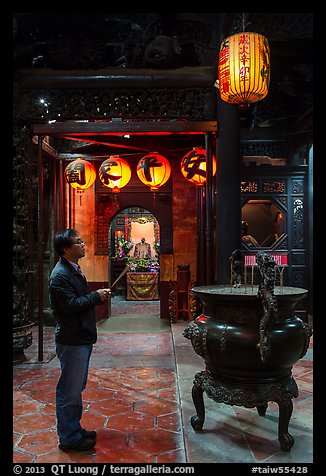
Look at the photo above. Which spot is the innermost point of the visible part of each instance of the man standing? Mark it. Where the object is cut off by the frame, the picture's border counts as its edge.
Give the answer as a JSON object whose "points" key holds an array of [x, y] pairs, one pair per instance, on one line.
{"points": [[142, 249], [73, 303]]}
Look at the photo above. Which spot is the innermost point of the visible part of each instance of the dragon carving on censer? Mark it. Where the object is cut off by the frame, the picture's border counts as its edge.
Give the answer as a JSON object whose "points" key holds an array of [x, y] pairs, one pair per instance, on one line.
{"points": [[266, 266]]}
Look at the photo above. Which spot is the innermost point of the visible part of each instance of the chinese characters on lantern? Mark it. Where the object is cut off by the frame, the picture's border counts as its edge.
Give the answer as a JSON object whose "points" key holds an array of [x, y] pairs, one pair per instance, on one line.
{"points": [[153, 170], [193, 166], [115, 173], [244, 68], [80, 174]]}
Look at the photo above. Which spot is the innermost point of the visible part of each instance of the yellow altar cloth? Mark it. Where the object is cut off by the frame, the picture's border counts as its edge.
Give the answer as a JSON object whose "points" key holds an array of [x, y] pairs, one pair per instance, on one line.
{"points": [[142, 286]]}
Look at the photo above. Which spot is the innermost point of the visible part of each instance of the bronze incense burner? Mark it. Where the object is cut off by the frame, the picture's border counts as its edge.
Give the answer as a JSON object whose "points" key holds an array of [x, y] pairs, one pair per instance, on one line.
{"points": [[249, 338]]}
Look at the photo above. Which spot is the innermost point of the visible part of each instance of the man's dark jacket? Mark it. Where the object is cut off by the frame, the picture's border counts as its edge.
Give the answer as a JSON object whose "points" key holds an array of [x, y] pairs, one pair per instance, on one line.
{"points": [[72, 303]]}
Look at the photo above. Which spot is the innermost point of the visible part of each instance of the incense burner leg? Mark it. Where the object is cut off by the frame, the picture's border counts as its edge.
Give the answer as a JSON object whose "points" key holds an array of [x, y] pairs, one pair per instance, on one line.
{"points": [[197, 421], [285, 412]]}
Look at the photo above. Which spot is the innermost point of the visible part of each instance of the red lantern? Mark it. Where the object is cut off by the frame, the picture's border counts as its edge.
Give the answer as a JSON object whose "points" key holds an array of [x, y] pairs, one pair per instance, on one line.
{"points": [[80, 174], [244, 68], [153, 170], [193, 166], [115, 173]]}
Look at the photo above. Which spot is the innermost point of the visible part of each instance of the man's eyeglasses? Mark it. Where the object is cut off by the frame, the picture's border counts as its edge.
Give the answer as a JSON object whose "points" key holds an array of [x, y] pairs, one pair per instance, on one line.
{"points": [[78, 242]]}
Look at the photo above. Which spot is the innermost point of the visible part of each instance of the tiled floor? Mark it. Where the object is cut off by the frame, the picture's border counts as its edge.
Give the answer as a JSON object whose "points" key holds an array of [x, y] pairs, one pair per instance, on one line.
{"points": [[135, 412], [138, 398]]}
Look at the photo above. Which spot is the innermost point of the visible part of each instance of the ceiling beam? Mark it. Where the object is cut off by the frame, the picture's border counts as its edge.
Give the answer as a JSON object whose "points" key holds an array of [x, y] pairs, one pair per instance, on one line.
{"points": [[119, 126]]}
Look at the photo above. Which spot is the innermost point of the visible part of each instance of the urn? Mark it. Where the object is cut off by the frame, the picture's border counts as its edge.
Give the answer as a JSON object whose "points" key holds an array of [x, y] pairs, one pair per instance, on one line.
{"points": [[227, 334], [249, 341]]}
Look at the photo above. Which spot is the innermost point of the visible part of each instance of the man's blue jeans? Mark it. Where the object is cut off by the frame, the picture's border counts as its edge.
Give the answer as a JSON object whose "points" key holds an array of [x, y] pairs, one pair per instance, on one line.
{"points": [[74, 362]]}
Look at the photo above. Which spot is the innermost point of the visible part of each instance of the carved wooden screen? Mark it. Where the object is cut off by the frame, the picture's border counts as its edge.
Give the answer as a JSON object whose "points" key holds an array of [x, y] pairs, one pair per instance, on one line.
{"points": [[286, 188]]}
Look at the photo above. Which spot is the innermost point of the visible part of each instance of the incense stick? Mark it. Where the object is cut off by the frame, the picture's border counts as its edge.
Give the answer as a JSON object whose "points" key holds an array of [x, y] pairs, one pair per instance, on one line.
{"points": [[119, 277]]}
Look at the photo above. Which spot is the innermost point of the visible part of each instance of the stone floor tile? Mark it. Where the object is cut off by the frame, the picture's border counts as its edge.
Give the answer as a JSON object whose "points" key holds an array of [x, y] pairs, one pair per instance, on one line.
{"points": [[110, 407], [26, 407], [130, 422], [39, 443], [156, 407], [26, 424], [20, 457], [110, 440], [94, 394], [171, 422], [170, 457], [124, 456], [92, 421], [155, 441], [60, 457]]}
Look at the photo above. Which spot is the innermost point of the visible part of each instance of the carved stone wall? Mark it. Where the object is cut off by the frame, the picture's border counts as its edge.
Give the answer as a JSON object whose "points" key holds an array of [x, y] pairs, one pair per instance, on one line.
{"points": [[23, 272]]}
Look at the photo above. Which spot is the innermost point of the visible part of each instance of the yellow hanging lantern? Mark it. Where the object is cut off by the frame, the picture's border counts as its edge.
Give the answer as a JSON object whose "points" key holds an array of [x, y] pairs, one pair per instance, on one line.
{"points": [[115, 173], [80, 174], [193, 166], [153, 170], [244, 68]]}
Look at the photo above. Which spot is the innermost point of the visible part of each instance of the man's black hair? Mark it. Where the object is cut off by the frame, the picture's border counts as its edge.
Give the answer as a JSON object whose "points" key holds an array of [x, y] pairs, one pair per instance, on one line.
{"points": [[63, 239]]}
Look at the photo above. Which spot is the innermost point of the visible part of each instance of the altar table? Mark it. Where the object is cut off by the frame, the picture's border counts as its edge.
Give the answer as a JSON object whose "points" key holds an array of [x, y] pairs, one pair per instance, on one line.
{"points": [[142, 286]]}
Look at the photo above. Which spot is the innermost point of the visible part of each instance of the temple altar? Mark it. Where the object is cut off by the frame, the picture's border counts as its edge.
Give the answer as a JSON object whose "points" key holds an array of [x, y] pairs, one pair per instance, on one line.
{"points": [[142, 286]]}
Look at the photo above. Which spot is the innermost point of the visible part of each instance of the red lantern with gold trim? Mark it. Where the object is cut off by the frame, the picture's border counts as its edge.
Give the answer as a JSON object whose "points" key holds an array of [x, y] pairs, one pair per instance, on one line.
{"points": [[115, 173], [80, 174], [154, 170], [193, 166], [244, 68]]}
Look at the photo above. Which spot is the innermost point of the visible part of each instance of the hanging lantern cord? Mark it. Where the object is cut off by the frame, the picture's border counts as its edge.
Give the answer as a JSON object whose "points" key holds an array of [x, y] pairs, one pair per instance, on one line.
{"points": [[243, 21]]}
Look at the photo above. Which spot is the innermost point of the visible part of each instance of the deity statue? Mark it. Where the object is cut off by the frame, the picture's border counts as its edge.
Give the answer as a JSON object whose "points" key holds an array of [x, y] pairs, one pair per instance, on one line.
{"points": [[142, 249]]}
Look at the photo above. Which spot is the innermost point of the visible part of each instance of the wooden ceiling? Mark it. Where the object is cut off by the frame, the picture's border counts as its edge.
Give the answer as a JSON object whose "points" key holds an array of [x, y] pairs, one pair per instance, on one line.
{"points": [[165, 41]]}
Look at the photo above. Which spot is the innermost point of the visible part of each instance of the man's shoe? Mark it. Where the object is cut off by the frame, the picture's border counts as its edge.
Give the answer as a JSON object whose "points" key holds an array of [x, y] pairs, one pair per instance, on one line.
{"points": [[88, 434], [81, 445]]}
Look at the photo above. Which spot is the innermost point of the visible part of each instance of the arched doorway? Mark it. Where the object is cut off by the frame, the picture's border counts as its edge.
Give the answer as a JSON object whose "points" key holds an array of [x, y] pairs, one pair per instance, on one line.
{"points": [[131, 232]]}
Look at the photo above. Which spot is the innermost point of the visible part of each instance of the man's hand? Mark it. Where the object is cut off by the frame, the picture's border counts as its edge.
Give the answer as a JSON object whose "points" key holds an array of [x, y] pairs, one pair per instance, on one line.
{"points": [[104, 294]]}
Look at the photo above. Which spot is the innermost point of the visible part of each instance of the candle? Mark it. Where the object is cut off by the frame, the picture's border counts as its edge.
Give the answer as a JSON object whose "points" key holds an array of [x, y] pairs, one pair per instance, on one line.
{"points": [[252, 278]]}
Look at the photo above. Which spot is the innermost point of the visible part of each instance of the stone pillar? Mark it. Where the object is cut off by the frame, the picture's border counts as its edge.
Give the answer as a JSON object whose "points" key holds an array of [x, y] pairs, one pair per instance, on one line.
{"points": [[228, 231]]}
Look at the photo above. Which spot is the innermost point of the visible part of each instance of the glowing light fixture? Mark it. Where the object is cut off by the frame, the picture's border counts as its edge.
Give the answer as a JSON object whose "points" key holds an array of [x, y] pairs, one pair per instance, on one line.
{"points": [[244, 68], [80, 174], [115, 173], [193, 166], [153, 170]]}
